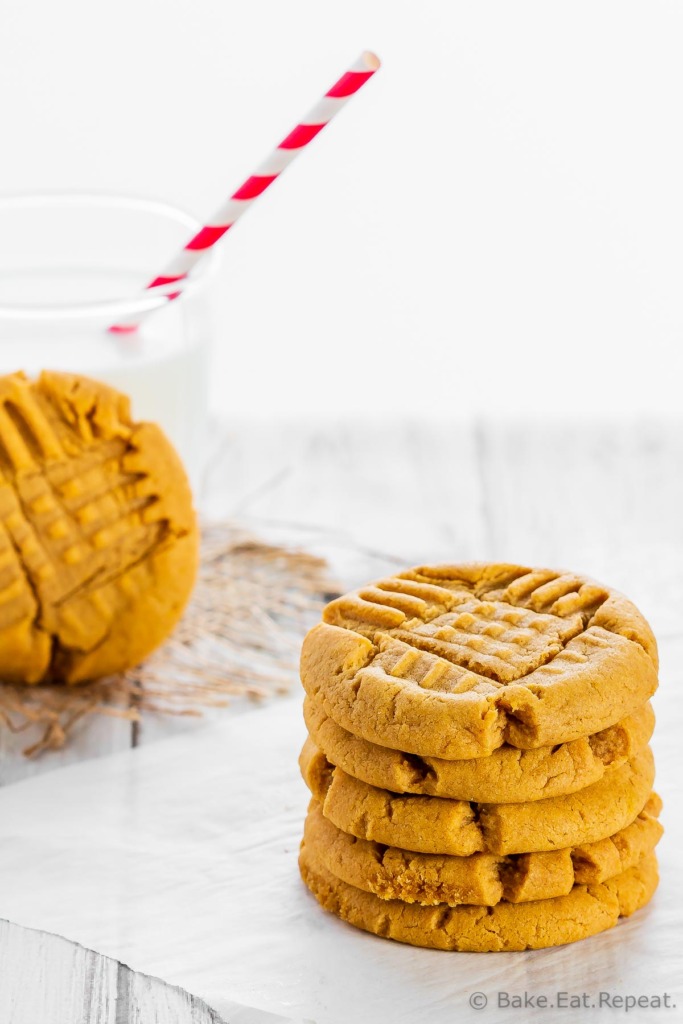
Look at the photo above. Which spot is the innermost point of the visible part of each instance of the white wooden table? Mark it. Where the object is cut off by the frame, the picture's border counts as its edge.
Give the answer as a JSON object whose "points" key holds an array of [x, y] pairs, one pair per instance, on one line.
{"points": [[603, 498]]}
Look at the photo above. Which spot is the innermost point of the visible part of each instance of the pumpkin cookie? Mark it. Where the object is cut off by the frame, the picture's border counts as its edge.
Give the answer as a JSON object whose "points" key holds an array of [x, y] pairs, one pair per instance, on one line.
{"points": [[483, 878], [98, 545], [586, 910], [427, 824], [508, 775], [454, 661]]}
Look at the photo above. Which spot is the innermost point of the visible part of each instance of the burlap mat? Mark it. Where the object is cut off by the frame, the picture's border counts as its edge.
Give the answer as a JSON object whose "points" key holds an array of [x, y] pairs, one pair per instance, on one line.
{"points": [[239, 637]]}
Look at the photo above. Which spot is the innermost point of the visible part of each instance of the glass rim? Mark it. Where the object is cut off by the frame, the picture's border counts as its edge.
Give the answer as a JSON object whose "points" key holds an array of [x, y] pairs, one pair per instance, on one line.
{"points": [[137, 304]]}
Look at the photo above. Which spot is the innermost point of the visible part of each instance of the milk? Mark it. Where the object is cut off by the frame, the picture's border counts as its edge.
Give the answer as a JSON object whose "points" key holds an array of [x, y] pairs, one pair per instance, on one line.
{"points": [[70, 266], [163, 367]]}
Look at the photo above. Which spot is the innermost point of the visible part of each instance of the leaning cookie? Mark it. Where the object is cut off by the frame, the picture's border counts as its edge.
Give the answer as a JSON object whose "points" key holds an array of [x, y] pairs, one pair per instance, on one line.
{"points": [[508, 775], [426, 824], [586, 910], [453, 661], [482, 879], [99, 539]]}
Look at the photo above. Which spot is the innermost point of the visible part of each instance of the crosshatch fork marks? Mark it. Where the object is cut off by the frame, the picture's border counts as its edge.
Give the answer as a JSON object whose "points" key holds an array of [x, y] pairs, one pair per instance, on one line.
{"points": [[80, 519], [498, 630]]}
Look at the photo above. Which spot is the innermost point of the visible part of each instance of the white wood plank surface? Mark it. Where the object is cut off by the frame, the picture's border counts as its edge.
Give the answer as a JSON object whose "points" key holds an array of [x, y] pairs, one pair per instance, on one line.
{"points": [[603, 498], [408, 490], [48, 980]]}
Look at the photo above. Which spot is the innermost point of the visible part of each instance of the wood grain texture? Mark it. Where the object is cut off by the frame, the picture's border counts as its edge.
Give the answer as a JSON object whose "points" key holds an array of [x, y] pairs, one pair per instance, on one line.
{"points": [[48, 980], [603, 498], [405, 490]]}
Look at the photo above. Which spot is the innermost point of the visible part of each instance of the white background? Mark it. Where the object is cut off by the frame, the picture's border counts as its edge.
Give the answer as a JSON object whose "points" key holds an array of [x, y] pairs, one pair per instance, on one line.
{"points": [[495, 224]]}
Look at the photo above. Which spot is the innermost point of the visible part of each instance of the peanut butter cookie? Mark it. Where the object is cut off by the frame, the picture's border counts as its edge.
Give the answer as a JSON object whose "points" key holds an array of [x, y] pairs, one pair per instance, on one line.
{"points": [[508, 775], [426, 824], [586, 910], [482, 878], [98, 546], [453, 661]]}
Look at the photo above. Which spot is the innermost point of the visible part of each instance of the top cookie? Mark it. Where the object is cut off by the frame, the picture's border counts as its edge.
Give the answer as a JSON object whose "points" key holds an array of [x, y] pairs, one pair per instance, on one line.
{"points": [[98, 538], [452, 661]]}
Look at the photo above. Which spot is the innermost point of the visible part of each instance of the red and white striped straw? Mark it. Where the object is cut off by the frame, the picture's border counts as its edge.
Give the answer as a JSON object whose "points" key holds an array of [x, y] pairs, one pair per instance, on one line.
{"points": [[264, 176]]}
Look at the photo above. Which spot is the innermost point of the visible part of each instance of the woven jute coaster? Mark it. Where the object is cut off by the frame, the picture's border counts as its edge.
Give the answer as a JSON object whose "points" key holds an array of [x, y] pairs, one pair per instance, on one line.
{"points": [[239, 637]]}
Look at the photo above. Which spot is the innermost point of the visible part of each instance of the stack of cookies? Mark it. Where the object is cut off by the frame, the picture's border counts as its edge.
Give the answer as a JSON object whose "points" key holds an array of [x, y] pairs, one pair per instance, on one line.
{"points": [[478, 758]]}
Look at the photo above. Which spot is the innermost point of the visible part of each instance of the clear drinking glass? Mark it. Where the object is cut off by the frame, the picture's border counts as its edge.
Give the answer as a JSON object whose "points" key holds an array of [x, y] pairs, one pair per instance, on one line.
{"points": [[72, 265]]}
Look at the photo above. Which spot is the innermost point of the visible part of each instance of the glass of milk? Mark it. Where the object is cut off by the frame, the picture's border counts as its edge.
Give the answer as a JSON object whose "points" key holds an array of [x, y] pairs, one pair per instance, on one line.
{"points": [[71, 266]]}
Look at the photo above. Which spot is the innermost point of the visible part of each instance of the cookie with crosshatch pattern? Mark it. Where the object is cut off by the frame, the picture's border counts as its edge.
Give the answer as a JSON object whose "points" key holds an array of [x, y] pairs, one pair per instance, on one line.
{"points": [[432, 824], [452, 661], [482, 879], [586, 910], [98, 536]]}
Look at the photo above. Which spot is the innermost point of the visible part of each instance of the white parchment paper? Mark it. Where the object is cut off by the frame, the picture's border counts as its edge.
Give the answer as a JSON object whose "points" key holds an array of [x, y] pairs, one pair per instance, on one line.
{"points": [[179, 859]]}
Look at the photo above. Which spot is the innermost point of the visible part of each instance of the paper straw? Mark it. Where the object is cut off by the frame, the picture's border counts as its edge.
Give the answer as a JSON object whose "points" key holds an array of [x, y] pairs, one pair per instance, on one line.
{"points": [[262, 178]]}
